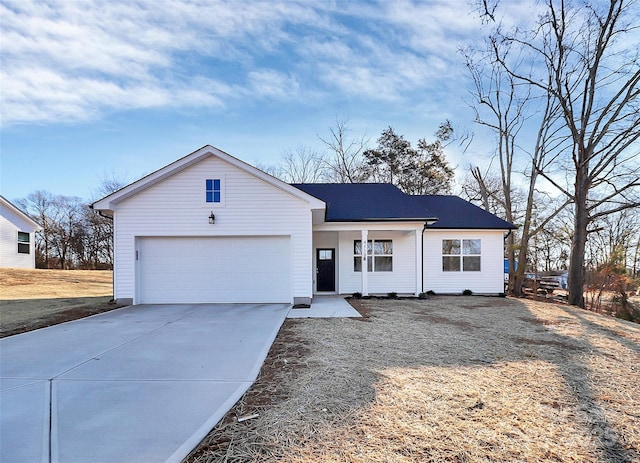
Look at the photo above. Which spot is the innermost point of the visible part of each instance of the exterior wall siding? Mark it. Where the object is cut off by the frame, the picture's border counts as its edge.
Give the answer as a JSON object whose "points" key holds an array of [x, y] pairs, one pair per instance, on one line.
{"points": [[176, 207], [402, 279], [10, 225], [490, 280]]}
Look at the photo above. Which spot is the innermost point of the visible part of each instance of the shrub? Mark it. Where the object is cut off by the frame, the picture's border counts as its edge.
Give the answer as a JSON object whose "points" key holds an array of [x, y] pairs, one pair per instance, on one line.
{"points": [[392, 295], [357, 295], [431, 293], [467, 292], [423, 295]]}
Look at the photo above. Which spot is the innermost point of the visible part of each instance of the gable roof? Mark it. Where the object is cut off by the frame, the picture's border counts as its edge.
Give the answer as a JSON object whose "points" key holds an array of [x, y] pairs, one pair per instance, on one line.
{"points": [[109, 202], [365, 202], [22, 215]]}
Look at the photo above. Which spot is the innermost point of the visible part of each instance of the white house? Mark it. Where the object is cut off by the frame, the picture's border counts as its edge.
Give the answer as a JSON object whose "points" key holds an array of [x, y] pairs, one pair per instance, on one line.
{"points": [[211, 228], [16, 237]]}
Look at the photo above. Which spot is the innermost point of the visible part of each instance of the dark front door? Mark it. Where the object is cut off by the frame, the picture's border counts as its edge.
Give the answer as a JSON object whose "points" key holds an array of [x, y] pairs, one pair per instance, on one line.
{"points": [[326, 269]]}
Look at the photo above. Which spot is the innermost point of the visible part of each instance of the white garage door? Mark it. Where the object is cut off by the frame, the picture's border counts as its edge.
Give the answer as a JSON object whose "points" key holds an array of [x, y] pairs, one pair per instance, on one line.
{"points": [[221, 269]]}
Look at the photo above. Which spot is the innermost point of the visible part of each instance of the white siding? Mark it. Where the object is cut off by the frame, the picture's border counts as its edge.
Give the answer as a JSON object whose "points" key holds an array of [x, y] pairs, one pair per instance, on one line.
{"points": [[490, 280], [401, 280], [176, 207], [10, 224]]}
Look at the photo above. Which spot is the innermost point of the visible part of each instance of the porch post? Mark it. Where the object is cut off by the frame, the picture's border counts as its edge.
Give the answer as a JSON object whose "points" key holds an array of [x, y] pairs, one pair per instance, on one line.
{"points": [[365, 288], [419, 258]]}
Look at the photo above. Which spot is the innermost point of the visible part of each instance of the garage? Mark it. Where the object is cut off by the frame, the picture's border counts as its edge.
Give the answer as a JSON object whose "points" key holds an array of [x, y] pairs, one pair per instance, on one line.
{"points": [[245, 269]]}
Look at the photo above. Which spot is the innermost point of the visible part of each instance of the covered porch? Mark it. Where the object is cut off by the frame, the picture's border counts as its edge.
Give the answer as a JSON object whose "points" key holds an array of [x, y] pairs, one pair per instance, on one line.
{"points": [[392, 257]]}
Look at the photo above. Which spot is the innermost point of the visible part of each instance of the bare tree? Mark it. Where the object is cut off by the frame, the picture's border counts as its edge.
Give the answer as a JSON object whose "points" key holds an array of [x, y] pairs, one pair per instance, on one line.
{"points": [[346, 163], [98, 229], [40, 205], [595, 81], [303, 165], [484, 189], [505, 108]]}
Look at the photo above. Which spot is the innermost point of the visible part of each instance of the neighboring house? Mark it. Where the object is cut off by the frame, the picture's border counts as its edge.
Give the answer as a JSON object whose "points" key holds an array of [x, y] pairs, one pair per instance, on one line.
{"points": [[211, 228], [17, 249]]}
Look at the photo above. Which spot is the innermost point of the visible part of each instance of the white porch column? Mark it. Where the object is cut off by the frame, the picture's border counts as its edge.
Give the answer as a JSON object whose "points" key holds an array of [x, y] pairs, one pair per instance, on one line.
{"points": [[365, 287], [419, 258]]}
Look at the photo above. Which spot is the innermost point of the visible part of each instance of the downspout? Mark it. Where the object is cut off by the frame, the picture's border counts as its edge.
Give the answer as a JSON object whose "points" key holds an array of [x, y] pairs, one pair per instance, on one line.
{"points": [[422, 262]]}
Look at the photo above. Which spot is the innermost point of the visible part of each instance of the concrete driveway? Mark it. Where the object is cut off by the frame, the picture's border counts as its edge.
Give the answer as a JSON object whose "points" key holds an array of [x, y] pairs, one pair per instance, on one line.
{"points": [[138, 384]]}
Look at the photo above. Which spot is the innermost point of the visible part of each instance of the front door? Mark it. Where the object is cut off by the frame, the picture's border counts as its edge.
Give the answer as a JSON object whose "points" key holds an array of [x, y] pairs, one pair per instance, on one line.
{"points": [[326, 269]]}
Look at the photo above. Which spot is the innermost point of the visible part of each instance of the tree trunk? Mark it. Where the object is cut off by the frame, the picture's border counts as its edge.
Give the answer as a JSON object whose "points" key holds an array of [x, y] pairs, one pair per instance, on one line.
{"points": [[579, 240]]}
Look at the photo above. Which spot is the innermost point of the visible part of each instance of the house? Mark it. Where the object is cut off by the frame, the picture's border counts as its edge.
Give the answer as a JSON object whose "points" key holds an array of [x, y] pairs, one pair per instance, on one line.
{"points": [[211, 228], [16, 237]]}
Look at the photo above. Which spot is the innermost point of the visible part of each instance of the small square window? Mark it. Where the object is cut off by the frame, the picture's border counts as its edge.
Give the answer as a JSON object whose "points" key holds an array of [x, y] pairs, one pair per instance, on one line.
{"points": [[213, 190]]}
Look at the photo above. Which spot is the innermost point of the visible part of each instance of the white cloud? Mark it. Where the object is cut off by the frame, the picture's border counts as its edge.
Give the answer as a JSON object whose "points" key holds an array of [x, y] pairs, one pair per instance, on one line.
{"points": [[76, 60]]}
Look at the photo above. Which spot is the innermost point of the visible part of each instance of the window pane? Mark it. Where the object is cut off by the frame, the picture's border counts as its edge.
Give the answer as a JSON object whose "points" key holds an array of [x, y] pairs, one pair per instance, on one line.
{"points": [[357, 264], [23, 248], [384, 264], [471, 246], [209, 186], [216, 184], [369, 264], [23, 237], [388, 246], [357, 247], [471, 264], [369, 247], [209, 196], [383, 247], [450, 264], [450, 246], [378, 247], [216, 196], [326, 254]]}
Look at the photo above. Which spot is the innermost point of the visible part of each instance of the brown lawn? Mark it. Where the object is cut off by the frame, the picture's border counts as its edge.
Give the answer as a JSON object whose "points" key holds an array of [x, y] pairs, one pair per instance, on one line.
{"points": [[450, 379], [31, 299]]}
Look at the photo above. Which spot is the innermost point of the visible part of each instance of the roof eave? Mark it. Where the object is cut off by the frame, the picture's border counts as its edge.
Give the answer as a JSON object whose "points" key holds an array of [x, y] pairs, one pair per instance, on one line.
{"points": [[385, 219], [22, 214]]}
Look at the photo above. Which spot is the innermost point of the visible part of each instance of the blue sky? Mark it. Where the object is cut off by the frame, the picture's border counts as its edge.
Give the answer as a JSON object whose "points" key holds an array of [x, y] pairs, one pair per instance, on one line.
{"points": [[93, 89]]}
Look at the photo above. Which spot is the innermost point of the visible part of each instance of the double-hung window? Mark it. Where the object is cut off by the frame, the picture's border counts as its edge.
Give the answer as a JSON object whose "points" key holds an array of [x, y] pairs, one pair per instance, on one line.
{"points": [[461, 255], [24, 246], [213, 191], [379, 254]]}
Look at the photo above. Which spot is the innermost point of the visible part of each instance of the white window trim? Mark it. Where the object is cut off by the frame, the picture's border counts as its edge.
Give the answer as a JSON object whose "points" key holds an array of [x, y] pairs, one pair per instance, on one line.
{"points": [[461, 255], [27, 243], [223, 195], [371, 256]]}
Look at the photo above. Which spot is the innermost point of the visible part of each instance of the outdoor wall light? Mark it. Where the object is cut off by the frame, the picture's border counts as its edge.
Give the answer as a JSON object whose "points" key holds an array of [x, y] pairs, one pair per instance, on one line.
{"points": [[212, 218]]}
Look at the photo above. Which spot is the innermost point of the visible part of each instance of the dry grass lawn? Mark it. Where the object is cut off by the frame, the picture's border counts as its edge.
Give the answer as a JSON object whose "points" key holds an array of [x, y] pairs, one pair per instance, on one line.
{"points": [[450, 379], [31, 299]]}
